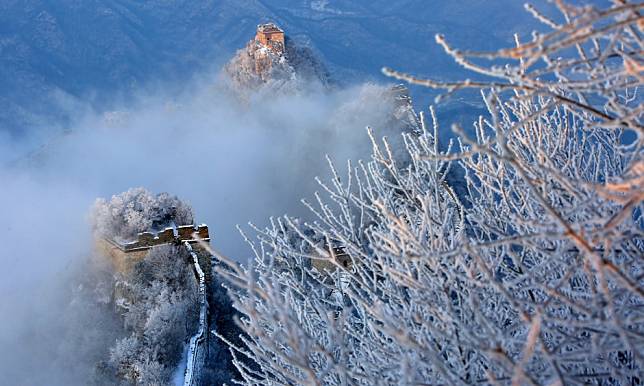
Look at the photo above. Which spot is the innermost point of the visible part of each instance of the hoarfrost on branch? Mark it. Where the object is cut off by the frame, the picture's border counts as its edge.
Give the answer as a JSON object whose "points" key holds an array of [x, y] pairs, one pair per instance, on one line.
{"points": [[527, 269]]}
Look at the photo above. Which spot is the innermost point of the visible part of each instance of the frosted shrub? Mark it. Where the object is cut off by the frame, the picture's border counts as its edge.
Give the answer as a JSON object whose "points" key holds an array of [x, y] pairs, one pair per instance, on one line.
{"points": [[534, 276], [161, 314], [137, 210]]}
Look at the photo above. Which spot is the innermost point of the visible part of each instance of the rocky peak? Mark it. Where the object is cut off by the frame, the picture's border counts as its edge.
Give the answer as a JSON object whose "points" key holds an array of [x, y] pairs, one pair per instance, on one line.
{"points": [[272, 59]]}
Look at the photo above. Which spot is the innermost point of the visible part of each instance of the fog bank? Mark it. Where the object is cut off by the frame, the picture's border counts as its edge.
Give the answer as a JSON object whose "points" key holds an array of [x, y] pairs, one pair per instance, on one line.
{"points": [[233, 161]]}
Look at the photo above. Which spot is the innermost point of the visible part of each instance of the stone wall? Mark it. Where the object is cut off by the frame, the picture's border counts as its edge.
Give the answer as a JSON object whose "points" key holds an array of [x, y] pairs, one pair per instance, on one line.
{"points": [[125, 255], [270, 36], [341, 258], [198, 348], [123, 261]]}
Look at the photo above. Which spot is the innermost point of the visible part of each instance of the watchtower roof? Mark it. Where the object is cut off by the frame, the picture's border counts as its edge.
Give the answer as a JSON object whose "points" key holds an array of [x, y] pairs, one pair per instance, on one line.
{"points": [[269, 28]]}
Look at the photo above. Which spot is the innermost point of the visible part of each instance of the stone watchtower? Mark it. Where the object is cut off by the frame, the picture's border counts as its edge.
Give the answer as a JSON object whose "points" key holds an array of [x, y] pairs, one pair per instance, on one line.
{"points": [[271, 36]]}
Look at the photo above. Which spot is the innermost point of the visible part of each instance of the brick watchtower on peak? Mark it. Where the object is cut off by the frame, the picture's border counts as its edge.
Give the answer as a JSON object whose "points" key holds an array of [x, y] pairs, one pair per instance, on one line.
{"points": [[271, 36]]}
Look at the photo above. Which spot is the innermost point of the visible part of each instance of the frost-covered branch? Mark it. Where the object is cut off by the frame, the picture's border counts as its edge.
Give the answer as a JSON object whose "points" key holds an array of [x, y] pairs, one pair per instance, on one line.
{"points": [[531, 274]]}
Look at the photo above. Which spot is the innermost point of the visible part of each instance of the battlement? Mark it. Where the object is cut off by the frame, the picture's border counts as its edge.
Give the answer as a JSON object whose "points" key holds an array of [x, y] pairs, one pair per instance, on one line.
{"points": [[125, 254], [271, 36], [147, 240]]}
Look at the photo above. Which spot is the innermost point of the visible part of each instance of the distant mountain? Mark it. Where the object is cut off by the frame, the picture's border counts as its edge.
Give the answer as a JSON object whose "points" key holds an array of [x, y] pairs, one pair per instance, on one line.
{"points": [[57, 58]]}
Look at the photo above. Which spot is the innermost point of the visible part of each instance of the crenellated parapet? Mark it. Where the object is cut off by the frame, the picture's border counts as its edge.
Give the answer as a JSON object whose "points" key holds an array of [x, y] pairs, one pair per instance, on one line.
{"points": [[147, 240], [187, 238], [270, 36], [125, 255]]}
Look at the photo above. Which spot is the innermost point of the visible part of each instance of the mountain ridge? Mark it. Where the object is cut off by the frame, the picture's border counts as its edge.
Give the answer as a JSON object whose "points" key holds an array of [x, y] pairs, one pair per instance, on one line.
{"points": [[58, 59]]}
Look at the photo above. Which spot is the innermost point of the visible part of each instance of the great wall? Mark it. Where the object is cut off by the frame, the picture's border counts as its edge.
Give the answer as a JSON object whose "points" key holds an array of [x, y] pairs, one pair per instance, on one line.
{"points": [[124, 255], [197, 350], [270, 36]]}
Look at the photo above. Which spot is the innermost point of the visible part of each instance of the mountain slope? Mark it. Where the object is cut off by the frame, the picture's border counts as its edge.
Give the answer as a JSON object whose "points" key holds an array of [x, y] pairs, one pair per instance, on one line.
{"points": [[56, 59]]}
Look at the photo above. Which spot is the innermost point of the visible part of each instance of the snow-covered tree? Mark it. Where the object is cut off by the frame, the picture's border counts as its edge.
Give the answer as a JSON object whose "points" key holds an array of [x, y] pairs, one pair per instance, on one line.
{"points": [[161, 315], [534, 276], [137, 210]]}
